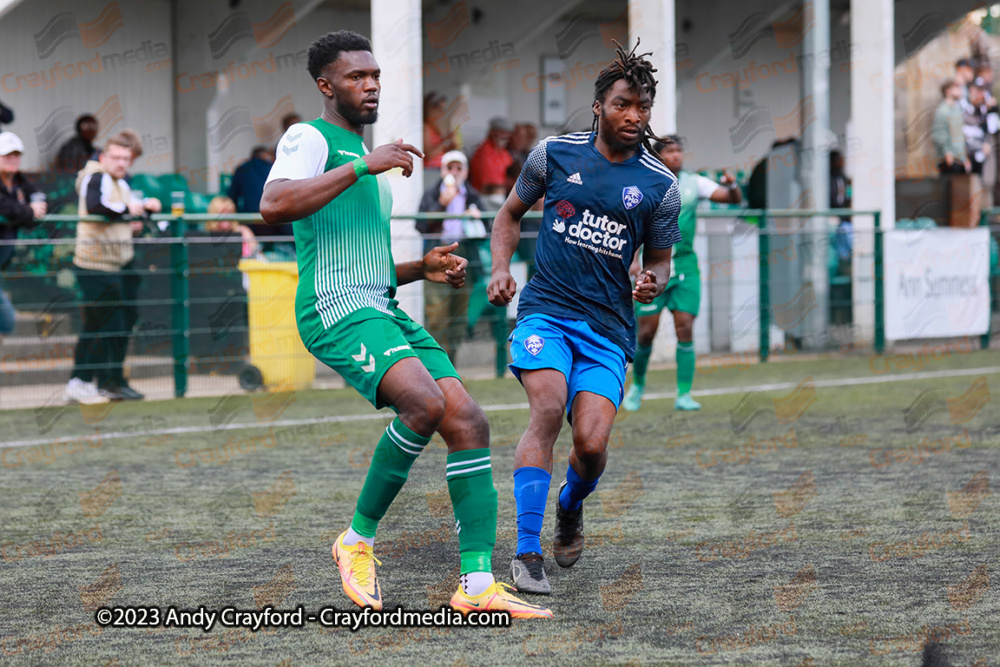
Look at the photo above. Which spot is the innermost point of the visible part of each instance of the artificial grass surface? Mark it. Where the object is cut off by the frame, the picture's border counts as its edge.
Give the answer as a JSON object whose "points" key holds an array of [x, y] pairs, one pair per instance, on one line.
{"points": [[691, 557]]}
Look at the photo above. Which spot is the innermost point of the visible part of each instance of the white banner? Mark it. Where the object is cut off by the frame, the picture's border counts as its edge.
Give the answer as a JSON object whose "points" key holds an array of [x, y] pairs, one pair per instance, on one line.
{"points": [[936, 283]]}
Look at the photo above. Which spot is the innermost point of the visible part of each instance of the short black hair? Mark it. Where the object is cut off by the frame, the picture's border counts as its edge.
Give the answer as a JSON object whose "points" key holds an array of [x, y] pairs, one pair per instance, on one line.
{"points": [[83, 119], [670, 140], [327, 48], [257, 151], [963, 62]]}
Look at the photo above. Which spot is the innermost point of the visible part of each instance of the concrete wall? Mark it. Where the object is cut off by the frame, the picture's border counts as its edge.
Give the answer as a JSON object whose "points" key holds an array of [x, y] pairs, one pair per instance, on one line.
{"points": [[60, 59], [238, 72], [509, 41], [737, 95]]}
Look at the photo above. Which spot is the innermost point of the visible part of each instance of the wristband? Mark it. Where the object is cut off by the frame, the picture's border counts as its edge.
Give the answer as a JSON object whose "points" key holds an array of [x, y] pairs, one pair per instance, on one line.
{"points": [[360, 167]]}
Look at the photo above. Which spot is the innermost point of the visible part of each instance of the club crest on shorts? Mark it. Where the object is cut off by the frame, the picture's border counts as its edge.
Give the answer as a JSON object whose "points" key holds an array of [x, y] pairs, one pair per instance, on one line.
{"points": [[534, 344], [631, 196]]}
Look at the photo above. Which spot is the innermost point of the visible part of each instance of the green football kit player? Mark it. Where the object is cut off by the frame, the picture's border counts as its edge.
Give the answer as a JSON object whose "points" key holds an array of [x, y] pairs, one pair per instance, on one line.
{"points": [[326, 181], [682, 297]]}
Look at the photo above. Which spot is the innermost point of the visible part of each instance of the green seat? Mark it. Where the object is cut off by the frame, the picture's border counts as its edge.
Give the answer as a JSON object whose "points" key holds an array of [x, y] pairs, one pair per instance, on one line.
{"points": [[196, 202], [159, 186], [148, 184]]}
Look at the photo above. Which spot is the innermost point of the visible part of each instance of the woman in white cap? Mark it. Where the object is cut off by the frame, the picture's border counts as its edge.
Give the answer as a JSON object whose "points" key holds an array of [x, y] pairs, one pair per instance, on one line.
{"points": [[18, 207]]}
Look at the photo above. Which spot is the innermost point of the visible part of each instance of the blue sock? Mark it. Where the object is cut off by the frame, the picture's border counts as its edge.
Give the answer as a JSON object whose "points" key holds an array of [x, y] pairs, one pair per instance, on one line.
{"points": [[572, 495], [531, 491]]}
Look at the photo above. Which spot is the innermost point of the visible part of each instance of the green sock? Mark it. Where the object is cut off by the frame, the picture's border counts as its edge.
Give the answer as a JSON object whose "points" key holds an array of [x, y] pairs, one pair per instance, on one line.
{"points": [[391, 462], [685, 367], [474, 498], [640, 363]]}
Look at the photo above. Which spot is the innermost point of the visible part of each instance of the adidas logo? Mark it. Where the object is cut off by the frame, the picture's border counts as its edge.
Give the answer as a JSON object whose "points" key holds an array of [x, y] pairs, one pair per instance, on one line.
{"points": [[575, 178]]}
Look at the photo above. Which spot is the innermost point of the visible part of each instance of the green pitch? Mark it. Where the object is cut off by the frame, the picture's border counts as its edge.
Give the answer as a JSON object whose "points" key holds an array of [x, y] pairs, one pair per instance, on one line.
{"points": [[838, 518]]}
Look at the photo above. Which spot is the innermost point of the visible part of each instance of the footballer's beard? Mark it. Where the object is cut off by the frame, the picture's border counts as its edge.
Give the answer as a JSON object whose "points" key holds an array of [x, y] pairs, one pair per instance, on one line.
{"points": [[357, 117], [616, 142]]}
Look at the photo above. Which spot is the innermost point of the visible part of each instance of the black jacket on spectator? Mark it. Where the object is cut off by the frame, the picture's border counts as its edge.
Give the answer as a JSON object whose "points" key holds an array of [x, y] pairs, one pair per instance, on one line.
{"points": [[14, 207], [74, 155], [6, 115]]}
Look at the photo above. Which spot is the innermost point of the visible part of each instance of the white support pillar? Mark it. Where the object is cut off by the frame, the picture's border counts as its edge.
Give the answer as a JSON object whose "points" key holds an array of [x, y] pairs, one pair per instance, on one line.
{"points": [[653, 22], [816, 161], [396, 44], [870, 150]]}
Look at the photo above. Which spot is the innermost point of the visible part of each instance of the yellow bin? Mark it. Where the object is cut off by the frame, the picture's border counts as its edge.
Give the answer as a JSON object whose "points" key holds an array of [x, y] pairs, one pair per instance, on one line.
{"points": [[275, 346]]}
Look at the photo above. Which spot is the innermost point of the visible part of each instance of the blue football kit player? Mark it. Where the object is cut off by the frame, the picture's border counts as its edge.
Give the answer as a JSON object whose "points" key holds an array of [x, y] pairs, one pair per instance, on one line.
{"points": [[605, 194]]}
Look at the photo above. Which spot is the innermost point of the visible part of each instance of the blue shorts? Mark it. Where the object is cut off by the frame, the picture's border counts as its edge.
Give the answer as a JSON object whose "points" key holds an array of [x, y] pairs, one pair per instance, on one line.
{"points": [[589, 361]]}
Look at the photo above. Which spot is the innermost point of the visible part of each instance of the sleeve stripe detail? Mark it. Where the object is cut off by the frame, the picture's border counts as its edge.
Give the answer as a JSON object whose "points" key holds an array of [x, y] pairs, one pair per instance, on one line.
{"points": [[530, 185], [655, 166], [653, 163], [663, 231]]}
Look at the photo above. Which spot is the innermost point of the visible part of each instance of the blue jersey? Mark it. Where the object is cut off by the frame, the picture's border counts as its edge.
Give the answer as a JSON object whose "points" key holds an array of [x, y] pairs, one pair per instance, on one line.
{"points": [[597, 213]]}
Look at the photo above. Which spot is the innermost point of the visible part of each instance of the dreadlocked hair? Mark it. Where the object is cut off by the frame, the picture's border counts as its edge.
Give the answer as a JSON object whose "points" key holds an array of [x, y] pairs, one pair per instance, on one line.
{"points": [[638, 74]]}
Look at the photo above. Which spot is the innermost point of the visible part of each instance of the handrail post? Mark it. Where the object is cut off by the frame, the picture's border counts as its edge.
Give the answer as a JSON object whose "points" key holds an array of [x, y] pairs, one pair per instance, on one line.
{"points": [[879, 286], [984, 340], [500, 336], [180, 308], [764, 288]]}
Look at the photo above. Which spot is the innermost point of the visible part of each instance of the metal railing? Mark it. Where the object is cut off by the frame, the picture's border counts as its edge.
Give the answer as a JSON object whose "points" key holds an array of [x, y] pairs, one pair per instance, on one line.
{"points": [[764, 252], [179, 242]]}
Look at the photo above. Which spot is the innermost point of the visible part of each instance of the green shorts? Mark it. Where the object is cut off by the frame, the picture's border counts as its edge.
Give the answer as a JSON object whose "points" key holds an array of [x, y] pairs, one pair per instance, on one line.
{"points": [[683, 293], [366, 344]]}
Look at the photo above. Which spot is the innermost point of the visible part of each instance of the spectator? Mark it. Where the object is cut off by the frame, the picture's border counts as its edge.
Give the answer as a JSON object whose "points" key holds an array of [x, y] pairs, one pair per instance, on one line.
{"points": [[984, 71], [288, 121], [840, 198], [445, 308], [20, 209], [76, 152], [248, 181], [6, 115], [248, 186], [975, 110], [964, 74], [104, 269], [488, 171], [221, 205], [436, 142], [949, 140], [522, 140]]}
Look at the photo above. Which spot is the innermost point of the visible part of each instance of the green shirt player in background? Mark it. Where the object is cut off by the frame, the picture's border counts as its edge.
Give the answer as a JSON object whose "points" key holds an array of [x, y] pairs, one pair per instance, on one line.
{"points": [[327, 183], [682, 296]]}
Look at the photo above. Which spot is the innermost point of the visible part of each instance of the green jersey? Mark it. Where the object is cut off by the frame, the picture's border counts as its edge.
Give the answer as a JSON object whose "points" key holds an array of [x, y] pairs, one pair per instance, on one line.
{"points": [[344, 249], [693, 189]]}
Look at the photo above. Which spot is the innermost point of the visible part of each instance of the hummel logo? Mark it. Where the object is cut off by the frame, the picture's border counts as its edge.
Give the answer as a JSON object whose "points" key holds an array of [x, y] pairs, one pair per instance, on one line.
{"points": [[370, 368], [289, 151], [292, 138], [575, 178]]}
